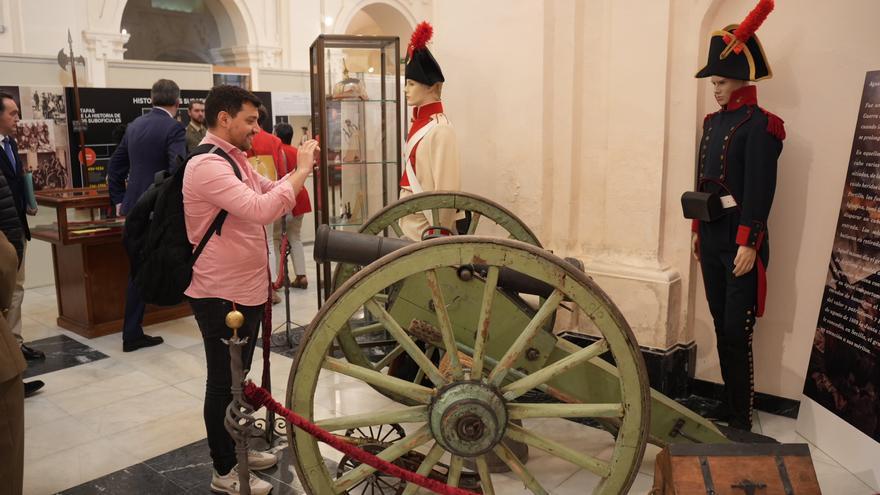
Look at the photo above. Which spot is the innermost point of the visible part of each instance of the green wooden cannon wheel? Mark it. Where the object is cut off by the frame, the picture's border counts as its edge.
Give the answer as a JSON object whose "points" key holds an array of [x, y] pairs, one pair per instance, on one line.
{"points": [[480, 208], [465, 412]]}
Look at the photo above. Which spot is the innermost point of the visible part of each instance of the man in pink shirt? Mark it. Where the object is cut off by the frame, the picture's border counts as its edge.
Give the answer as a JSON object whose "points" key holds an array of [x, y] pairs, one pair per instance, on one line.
{"points": [[233, 270]]}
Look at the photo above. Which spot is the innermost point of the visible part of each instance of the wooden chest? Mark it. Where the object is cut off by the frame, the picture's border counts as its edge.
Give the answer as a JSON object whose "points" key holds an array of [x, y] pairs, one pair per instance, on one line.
{"points": [[735, 469]]}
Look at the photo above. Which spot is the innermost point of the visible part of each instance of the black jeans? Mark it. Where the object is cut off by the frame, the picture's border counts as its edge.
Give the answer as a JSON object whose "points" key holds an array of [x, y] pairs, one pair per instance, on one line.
{"points": [[210, 314]]}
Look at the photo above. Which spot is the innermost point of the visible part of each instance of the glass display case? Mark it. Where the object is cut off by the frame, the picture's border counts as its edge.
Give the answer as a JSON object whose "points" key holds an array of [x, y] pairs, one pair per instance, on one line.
{"points": [[357, 118], [80, 215]]}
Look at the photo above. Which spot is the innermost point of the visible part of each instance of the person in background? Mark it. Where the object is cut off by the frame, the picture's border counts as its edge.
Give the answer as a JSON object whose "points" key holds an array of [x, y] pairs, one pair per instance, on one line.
{"points": [[152, 143], [231, 271], [284, 132], [13, 173], [268, 160], [195, 130], [12, 365]]}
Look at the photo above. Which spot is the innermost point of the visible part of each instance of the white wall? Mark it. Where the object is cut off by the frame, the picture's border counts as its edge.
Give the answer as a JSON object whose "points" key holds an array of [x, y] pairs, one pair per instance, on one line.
{"points": [[140, 74]]}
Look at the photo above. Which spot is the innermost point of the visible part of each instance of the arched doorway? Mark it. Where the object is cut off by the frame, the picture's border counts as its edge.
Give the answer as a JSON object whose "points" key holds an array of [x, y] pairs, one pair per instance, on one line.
{"points": [[182, 30]]}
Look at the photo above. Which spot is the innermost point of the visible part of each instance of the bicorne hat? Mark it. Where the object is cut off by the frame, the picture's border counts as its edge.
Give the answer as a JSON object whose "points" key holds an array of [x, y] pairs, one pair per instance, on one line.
{"points": [[736, 53]]}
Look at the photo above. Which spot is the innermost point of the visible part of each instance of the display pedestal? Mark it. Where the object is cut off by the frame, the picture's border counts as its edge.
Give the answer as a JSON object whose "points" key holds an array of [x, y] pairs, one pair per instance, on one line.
{"points": [[90, 284], [90, 264]]}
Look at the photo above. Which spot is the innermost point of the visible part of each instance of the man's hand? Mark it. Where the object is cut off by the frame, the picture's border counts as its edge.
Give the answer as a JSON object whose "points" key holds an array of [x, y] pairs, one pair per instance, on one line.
{"points": [[31, 211], [744, 261], [306, 156], [119, 209], [695, 245]]}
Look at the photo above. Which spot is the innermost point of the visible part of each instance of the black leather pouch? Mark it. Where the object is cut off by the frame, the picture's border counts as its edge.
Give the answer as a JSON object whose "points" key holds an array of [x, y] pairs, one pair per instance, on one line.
{"points": [[702, 206]]}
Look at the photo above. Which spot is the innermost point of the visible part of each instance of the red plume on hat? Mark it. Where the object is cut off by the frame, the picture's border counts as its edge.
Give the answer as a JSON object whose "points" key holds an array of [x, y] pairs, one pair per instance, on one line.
{"points": [[748, 27], [420, 38]]}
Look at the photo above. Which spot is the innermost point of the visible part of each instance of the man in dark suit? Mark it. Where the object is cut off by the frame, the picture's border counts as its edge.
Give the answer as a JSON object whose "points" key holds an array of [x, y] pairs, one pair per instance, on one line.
{"points": [[13, 173], [152, 143]]}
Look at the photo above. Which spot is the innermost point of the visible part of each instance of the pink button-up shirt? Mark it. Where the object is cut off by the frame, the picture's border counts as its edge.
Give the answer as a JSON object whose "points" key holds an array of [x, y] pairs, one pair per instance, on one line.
{"points": [[233, 265]]}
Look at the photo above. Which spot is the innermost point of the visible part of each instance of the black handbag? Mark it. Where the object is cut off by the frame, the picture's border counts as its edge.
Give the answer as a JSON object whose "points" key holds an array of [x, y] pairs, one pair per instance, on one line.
{"points": [[702, 206]]}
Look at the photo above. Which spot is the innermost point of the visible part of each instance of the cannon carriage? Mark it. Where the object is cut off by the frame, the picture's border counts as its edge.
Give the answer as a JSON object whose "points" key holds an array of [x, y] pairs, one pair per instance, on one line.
{"points": [[457, 333]]}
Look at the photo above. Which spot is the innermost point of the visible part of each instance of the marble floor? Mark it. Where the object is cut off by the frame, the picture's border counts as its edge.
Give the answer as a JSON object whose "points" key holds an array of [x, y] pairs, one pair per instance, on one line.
{"points": [[131, 423]]}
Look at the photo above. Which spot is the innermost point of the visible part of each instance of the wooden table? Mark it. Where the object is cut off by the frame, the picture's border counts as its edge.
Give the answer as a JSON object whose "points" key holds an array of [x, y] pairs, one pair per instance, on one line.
{"points": [[90, 263]]}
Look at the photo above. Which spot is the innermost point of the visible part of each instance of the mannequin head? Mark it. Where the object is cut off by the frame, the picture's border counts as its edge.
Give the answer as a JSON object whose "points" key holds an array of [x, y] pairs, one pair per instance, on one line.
{"points": [[418, 94], [724, 87]]}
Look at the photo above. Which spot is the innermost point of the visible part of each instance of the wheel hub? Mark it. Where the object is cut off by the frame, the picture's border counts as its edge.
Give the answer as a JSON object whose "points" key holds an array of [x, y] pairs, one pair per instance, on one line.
{"points": [[468, 418]]}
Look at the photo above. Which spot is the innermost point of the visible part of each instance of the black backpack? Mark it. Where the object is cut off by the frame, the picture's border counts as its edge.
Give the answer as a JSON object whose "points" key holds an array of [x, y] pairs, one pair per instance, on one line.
{"points": [[159, 250]]}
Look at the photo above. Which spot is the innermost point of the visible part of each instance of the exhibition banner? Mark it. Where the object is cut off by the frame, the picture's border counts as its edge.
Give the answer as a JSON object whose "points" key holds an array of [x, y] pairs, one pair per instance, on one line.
{"points": [[844, 370], [106, 112]]}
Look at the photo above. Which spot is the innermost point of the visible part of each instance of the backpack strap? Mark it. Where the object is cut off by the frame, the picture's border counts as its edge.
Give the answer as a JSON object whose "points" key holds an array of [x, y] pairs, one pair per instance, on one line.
{"points": [[221, 217]]}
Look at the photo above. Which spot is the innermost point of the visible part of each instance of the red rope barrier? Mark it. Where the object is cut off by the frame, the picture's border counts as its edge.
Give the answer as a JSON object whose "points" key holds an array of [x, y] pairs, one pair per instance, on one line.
{"points": [[261, 397], [282, 263]]}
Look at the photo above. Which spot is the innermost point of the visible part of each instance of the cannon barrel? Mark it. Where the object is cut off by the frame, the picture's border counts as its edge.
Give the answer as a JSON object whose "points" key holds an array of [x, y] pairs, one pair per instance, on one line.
{"points": [[362, 249]]}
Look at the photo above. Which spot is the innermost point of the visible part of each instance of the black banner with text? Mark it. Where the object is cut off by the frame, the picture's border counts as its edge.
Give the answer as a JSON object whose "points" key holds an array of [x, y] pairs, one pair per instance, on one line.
{"points": [[106, 112], [844, 370]]}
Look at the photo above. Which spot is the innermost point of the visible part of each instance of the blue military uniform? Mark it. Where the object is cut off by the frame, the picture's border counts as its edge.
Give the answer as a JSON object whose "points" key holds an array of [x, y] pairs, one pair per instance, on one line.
{"points": [[737, 161]]}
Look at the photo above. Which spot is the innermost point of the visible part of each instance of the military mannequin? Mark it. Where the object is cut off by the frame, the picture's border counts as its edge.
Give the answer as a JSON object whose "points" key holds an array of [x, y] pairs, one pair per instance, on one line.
{"points": [[737, 159], [431, 148]]}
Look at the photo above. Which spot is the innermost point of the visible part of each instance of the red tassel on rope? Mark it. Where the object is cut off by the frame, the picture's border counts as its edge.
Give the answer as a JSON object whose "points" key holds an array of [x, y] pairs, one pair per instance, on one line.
{"points": [[420, 37], [259, 397], [754, 20]]}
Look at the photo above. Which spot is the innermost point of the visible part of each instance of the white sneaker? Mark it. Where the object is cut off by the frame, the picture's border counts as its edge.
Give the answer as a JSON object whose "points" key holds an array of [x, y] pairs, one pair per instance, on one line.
{"points": [[258, 461], [228, 483]]}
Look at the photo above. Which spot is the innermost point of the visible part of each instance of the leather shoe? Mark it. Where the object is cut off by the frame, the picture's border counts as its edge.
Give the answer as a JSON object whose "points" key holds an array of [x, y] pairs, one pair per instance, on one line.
{"points": [[143, 341], [300, 282], [32, 354], [31, 387]]}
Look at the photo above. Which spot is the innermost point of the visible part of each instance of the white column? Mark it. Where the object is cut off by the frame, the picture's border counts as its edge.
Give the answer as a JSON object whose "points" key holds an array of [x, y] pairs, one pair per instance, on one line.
{"points": [[101, 47]]}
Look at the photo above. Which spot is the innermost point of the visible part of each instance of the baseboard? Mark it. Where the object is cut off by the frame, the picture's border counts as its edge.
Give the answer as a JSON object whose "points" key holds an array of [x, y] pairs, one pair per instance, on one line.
{"points": [[671, 372], [773, 404]]}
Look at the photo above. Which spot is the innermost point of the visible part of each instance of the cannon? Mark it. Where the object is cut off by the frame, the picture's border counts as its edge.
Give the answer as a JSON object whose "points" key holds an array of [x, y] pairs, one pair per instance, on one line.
{"points": [[458, 308]]}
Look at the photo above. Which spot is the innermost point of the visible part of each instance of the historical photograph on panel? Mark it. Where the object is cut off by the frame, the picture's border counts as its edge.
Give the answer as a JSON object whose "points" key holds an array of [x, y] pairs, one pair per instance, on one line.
{"points": [[48, 103], [36, 135], [50, 172]]}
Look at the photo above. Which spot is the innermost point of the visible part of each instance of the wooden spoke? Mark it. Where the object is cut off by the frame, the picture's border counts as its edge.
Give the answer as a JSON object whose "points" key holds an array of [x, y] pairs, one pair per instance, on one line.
{"points": [[372, 328], [395, 226], [445, 325], [391, 356], [390, 454], [519, 469], [475, 219], [525, 338], [414, 414], [483, 322], [590, 463], [407, 342], [407, 389], [425, 467], [455, 466], [550, 372], [435, 215], [485, 476], [525, 411]]}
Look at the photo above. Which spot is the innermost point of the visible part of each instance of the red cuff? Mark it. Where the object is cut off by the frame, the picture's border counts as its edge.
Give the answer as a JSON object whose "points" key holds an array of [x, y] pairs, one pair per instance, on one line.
{"points": [[695, 226], [749, 236]]}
